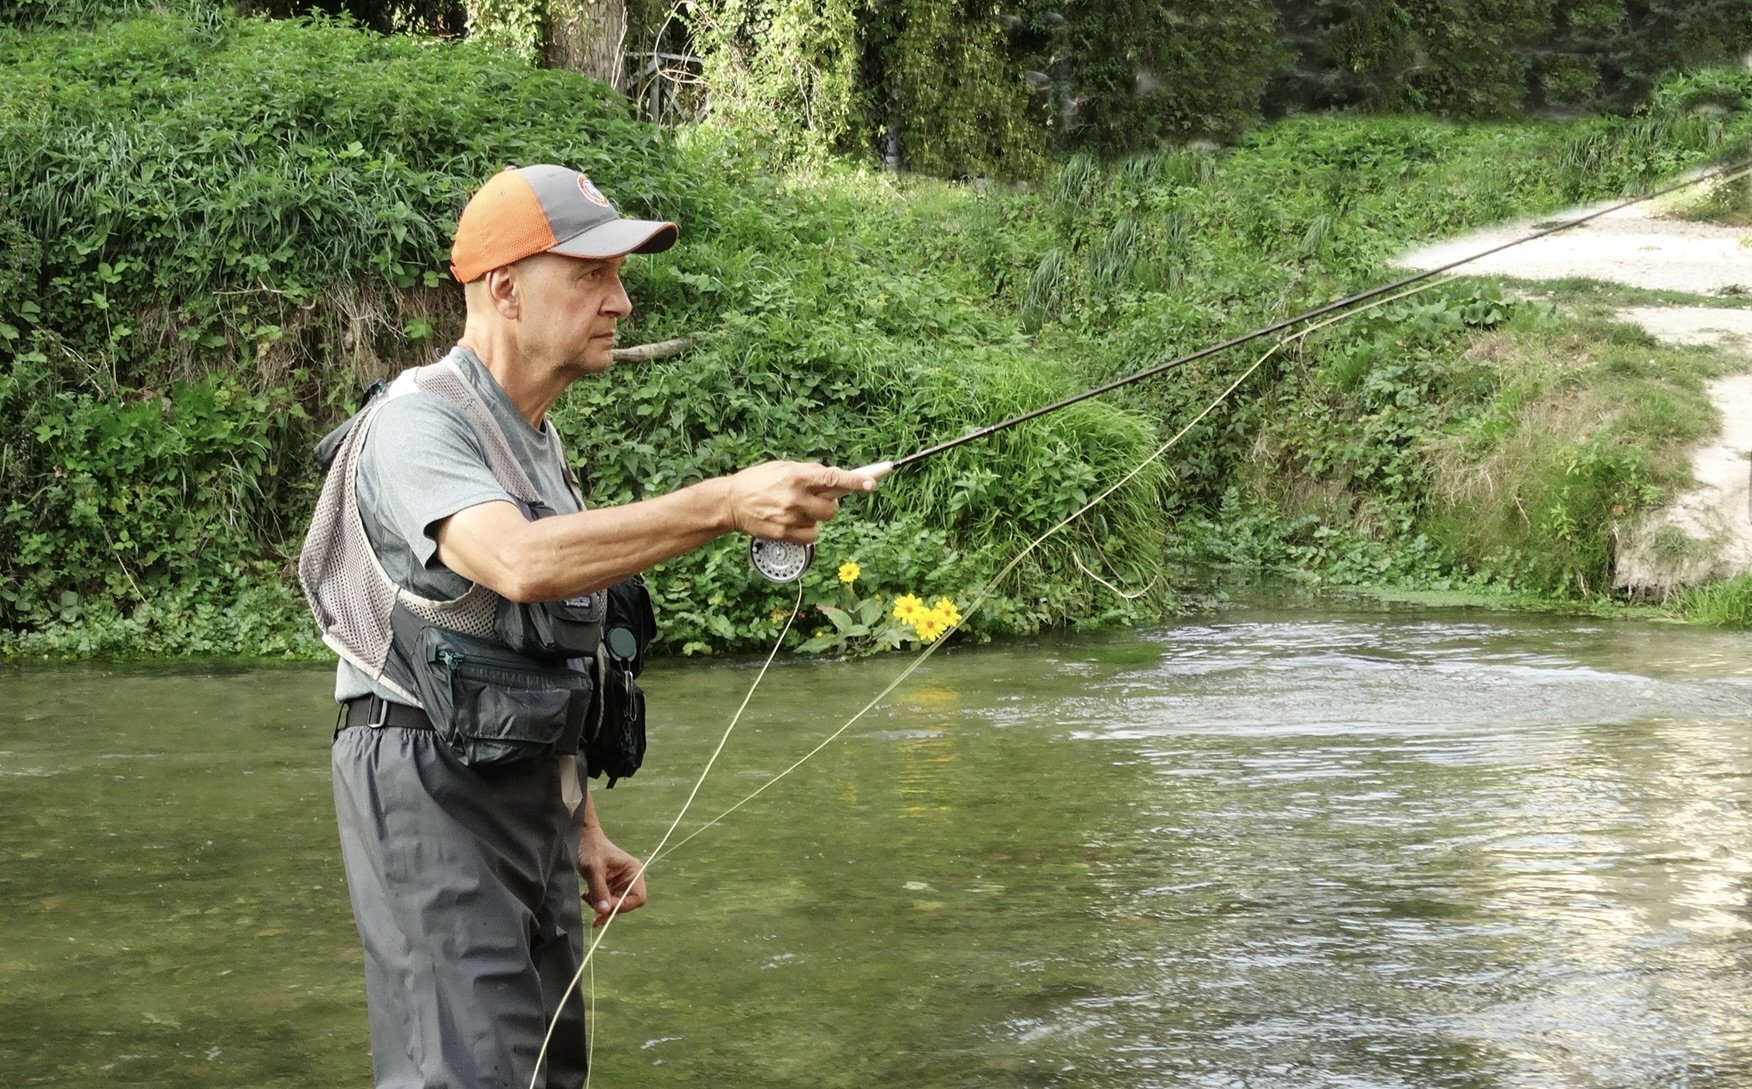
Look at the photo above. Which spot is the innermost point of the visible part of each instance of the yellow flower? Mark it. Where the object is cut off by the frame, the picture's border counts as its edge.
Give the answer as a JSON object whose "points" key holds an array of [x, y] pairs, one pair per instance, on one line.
{"points": [[849, 571], [945, 608], [929, 627], [907, 608]]}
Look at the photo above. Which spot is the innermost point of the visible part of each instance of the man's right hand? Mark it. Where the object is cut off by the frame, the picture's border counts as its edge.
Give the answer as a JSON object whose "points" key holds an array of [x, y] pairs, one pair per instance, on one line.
{"points": [[788, 500]]}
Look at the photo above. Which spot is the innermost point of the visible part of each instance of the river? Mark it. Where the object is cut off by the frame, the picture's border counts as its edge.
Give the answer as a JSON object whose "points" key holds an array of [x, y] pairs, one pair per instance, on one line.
{"points": [[1357, 845]]}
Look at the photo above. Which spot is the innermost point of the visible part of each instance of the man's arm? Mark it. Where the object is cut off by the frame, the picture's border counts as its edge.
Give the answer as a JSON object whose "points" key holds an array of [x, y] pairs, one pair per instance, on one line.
{"points": [[550, 559]]}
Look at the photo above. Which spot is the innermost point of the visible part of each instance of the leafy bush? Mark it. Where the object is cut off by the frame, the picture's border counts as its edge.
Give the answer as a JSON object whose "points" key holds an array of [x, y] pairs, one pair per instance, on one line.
{"points": [[237, 228], [844, 330], [202, 258]]}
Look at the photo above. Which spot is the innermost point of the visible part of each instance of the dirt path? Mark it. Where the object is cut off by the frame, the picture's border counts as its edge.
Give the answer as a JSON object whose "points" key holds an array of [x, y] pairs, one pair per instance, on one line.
{"points": [[1706, 533]]}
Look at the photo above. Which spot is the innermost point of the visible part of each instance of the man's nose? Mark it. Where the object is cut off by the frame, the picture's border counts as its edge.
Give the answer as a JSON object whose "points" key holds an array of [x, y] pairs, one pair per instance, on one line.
{"points": [[618, 302]]}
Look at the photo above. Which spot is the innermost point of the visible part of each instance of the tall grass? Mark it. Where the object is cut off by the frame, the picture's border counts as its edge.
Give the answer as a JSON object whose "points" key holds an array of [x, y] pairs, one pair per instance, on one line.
{"points": [[1726, 604]]}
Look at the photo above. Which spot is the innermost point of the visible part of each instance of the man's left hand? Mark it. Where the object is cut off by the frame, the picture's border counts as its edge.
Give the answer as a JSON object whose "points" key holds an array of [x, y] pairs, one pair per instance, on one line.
{"points": [[608, 873]]}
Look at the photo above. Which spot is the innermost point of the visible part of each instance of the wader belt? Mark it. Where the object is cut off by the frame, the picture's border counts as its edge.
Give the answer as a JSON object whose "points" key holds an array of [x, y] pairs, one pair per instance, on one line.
{"points": [[375, 711]]}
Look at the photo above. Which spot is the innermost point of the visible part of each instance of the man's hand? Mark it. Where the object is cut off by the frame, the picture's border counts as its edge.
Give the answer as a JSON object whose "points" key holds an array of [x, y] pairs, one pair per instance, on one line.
{"points": [[787, 500], [608, 872]]}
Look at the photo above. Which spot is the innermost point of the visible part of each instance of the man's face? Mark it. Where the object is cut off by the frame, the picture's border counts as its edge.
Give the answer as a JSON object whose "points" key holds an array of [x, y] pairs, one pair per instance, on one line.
{"points": [[569, 307]]}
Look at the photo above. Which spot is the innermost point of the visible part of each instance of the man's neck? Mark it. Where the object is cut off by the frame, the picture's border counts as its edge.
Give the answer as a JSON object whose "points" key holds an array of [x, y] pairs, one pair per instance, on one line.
{"points": [[529, 391]]}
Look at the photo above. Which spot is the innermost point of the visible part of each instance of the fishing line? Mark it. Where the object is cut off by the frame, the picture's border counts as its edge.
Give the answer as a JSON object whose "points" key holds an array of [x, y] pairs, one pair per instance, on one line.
{"points": [[614, 910], [991, 584], [589, 1028], [985, 593], [1377, 296]]}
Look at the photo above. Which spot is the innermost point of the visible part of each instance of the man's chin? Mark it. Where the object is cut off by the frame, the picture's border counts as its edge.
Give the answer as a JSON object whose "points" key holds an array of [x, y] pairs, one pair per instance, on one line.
{"points": [[599, 358]]}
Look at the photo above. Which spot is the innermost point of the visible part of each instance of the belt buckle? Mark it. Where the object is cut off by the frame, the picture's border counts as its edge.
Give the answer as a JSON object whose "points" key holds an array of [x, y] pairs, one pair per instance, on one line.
{"points": [[377, 716]]}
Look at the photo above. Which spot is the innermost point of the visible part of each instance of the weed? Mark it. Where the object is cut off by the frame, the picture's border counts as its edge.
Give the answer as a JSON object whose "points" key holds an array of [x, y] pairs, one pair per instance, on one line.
{"points": [[1726, 604]]}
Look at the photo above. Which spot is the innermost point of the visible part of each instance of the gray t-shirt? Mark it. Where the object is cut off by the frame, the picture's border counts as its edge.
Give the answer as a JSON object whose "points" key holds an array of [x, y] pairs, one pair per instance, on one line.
{"points": [[423, 462]]}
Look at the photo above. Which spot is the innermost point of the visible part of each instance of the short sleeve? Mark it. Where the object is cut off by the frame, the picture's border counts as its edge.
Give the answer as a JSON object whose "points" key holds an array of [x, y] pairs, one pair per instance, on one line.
{"points": [[421, 464]]}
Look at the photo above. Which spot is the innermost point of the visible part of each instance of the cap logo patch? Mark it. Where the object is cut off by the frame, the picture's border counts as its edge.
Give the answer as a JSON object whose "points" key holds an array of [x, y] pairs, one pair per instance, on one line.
{"points": [[591, 193]]}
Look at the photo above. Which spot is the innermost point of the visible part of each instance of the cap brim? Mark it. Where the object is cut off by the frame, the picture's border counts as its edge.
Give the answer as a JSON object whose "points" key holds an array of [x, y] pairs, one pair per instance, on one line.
{"points": [[618, 237]]}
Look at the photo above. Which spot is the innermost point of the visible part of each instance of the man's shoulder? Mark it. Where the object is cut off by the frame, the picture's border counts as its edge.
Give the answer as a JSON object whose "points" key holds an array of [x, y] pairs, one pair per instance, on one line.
{"points": [[418, 410], [416, 434]]}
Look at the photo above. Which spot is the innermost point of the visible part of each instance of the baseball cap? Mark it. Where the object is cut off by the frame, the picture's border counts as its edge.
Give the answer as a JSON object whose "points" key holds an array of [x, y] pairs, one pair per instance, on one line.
{"points": [[545, 209]]}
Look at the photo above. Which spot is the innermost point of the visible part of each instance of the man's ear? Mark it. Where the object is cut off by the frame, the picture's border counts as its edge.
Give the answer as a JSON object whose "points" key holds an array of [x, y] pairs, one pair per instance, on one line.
{"points": [[501, 286]]}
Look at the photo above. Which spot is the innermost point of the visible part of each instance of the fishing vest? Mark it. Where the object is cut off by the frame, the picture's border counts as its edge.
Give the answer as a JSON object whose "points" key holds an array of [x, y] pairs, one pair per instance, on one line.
{"points": [[350, 594]]}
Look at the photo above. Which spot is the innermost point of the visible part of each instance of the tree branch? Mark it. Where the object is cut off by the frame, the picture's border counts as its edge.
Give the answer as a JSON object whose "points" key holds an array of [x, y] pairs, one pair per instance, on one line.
{"points": [[644, 353]]}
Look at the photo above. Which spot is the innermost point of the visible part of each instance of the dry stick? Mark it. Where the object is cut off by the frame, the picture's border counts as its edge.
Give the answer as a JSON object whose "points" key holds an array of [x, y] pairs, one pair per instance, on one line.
{"points": [[644, 353]]}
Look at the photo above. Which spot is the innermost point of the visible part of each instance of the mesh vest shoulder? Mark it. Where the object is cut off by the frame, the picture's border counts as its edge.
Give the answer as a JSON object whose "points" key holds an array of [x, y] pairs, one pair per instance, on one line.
{"points": [[350, 594]]}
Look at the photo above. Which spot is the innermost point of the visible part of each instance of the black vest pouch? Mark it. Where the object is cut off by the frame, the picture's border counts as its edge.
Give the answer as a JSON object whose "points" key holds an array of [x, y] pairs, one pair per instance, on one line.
{"points": [[552, 631], [495, 710], [614, 743]]}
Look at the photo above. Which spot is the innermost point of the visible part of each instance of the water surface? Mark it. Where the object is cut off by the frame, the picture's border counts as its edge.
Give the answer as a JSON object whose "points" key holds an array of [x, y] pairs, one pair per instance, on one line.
{"points": [[1367, 847]]}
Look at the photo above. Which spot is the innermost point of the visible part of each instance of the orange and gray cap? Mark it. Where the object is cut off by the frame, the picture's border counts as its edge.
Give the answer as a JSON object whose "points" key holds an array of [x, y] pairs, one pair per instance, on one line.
{"points": [[545, 209]]}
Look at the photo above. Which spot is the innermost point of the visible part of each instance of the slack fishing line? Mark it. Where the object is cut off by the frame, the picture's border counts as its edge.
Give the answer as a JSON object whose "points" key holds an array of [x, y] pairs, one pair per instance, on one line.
{"points": [[985, 592], [786, 561], [632, 882], [664, 849]]}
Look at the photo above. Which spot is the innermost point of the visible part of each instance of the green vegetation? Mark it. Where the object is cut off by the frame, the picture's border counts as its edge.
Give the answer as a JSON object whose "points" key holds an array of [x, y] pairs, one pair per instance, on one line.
{"points": [[252, 223], [204, 258], [214, 231], [967, 89], [1726, 604]]}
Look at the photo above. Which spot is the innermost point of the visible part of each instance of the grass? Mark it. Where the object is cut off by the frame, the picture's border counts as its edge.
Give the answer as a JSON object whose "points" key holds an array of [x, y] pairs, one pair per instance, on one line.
{"points": [[1726, 604], [1600, 298], [1588, 424]]}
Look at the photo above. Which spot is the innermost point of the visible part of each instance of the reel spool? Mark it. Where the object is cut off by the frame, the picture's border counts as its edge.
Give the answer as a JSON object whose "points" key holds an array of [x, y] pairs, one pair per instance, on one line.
{"points": [[779, 561]]}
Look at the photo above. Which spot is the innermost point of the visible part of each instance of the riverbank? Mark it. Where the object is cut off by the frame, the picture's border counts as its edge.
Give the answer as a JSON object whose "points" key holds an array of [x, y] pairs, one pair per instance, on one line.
{"points": [[1702, 533], [157, 477]]}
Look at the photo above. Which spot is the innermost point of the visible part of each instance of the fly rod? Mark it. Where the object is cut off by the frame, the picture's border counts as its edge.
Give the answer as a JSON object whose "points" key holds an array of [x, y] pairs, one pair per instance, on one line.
{"points": [[785, 561]]}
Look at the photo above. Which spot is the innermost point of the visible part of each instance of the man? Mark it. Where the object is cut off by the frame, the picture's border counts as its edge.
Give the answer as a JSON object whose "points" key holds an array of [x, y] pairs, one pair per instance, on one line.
{"points": [[464, 883]]}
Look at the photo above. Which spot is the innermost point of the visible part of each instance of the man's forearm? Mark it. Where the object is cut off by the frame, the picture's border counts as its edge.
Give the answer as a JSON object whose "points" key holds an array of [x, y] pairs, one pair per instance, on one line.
{"points": [[550, 559]]}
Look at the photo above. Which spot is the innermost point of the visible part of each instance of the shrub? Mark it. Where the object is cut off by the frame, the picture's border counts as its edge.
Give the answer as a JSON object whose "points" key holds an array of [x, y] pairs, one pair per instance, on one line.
{"points": [[237, 227], [212, 230]]}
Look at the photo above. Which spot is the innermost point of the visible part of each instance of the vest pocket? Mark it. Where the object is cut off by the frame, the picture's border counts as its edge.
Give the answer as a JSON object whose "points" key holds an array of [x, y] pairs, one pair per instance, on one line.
{"points": [[494, 709], [615, 743]]}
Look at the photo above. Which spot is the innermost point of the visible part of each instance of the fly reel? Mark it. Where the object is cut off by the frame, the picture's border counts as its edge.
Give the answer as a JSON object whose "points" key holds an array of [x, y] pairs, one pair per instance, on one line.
{"points": [[779, 561], [785, 561]]}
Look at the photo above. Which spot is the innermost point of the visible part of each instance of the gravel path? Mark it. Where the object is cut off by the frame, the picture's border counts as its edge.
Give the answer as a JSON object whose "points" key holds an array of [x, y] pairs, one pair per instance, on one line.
{"points": [[1634, 246], [1706, 533]]}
